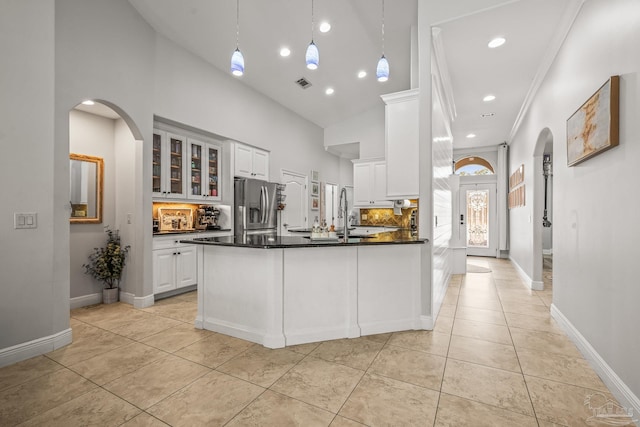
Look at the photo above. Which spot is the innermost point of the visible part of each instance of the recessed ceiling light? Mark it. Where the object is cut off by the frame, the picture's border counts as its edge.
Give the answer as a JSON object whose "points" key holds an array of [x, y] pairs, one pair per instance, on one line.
{"points": [[489, 98], [88, 102], [362, 74], [497, 42], [285, 51], [325, 27], [329, 91], [471, 135]]}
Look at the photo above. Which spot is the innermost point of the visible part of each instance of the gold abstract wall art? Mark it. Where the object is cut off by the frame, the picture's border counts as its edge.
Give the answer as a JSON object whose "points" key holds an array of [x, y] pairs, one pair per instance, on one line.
{"points": [[593, 128]]}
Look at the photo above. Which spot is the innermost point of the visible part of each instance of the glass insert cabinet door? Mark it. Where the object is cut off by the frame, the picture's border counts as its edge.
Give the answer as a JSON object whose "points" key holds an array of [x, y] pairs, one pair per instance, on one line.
{"points": [[176, 153], [204, 170], [168, 166], [157, 163]]}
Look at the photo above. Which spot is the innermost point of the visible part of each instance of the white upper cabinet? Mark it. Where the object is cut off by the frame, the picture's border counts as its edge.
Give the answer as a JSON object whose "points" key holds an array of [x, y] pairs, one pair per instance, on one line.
{"points": [[251, 162], [401, 144], [169, 171], [370, 184]]}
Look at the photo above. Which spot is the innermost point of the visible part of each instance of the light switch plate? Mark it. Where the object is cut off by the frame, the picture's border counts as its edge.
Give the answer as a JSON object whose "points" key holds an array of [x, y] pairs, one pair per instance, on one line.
{"points": [[25, 220]]}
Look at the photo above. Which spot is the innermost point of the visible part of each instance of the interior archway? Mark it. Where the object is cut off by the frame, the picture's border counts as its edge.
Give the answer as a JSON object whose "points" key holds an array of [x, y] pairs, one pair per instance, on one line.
{"points": [[544, 146], [106, 131]]}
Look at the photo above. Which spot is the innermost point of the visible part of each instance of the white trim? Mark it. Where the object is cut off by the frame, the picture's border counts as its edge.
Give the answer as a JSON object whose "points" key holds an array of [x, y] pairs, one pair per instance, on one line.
{"points": [[531, 284], [385, 326], [426, 322], [27, 350], [248, 334], [613, 382], [137, 302], [547, 252], [85, 300]]}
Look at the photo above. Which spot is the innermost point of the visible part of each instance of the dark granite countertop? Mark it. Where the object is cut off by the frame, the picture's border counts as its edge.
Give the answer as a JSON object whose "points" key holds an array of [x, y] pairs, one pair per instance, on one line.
{"points": [[194, 231], [269, 241]]}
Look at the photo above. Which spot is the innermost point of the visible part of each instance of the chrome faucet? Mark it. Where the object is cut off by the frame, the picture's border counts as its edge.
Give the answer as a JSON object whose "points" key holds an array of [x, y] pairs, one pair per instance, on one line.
{"points": [[343, 212]]}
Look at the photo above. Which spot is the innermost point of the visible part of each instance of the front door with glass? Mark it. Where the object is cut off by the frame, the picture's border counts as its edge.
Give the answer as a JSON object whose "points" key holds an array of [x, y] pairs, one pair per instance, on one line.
{"points": [[478, 226]]}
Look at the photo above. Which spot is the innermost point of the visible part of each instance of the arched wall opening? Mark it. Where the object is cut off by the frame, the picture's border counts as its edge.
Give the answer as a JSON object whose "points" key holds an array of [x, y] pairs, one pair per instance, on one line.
{"points": [[544, 145], [104, 130]]}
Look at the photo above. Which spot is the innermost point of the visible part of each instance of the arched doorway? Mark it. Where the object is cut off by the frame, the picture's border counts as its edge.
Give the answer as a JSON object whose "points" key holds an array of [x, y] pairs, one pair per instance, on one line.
{"points": [[542, 210], [477, 204], [102, 130]]}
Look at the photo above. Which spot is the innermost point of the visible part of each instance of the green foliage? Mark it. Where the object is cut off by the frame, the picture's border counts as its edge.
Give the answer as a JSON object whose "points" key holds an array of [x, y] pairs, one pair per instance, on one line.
{"points": [[106, 264]]}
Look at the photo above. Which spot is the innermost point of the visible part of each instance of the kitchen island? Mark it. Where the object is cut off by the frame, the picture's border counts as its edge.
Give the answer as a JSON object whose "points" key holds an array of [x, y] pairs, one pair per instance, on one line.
{"points": [[285, 290]]}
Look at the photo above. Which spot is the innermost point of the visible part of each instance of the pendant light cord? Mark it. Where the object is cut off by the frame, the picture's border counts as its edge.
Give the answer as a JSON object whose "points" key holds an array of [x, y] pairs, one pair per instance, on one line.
{"points": [[237, 24], [382, 27], [312, 21]]}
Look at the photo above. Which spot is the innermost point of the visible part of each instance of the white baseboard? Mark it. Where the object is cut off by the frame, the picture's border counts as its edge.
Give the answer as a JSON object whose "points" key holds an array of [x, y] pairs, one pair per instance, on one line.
{"points": [[27, 350], [85, 300], [617, 387], [532, 284], [427, 323], [137, 302]]}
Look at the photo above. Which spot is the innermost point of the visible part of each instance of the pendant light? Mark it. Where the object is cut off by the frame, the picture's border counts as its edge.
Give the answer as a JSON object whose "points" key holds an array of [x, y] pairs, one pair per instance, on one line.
{"points": [[237, 60], [312, 56], [382, 70]]}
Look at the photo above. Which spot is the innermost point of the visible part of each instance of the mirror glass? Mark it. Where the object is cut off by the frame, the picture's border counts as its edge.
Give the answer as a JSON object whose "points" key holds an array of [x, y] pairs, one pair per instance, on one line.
{"points": [[85, 188]]}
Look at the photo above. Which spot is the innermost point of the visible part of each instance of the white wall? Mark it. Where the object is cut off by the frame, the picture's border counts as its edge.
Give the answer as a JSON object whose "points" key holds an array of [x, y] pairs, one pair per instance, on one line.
{"points": [[366, 128], [595, 236], [192, 92], [104, 51], [34, 292], [125, 153], [91, 135]]}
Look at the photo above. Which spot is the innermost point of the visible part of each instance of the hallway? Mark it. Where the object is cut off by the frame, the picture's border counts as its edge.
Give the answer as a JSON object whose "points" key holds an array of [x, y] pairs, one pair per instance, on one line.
{"points": [[495, 358]]}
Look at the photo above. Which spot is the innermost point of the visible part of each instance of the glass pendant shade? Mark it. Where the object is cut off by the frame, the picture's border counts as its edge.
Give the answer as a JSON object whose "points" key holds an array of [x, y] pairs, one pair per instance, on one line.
{"points": [[312, 56], [237, 63], [382, 71]]}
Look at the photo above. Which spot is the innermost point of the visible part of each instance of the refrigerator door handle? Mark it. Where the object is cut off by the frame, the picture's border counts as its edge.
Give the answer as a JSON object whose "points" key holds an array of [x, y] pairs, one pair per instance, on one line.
{"points": [[263, 204]]}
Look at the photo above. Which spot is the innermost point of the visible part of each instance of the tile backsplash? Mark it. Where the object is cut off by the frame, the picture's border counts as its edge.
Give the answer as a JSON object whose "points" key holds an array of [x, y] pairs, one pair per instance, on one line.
{"points": [[386, 216]]}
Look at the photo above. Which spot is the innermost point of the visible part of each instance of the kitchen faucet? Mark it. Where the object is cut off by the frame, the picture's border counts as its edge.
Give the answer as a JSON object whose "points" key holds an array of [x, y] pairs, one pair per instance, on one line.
{"points": [[343, 212]]}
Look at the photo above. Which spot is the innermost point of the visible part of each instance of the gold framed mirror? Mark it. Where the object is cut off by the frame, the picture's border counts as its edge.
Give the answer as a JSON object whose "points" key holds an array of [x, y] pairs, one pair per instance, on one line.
{"points": [[85, 188]]}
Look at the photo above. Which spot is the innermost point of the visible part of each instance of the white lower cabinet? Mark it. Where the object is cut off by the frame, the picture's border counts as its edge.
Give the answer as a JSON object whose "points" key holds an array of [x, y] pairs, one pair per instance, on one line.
{"points": [[174, 267]]}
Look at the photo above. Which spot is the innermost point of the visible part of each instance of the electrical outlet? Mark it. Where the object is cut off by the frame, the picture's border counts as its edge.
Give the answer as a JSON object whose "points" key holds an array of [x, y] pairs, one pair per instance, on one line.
{"points": [[129, 218], [25, 220]]}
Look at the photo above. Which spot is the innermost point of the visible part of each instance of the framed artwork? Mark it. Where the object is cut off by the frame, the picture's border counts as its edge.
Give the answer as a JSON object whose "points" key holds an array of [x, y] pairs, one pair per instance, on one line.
{"points": [[315, 203], [315, 188], [593, 128], [314, 176]]}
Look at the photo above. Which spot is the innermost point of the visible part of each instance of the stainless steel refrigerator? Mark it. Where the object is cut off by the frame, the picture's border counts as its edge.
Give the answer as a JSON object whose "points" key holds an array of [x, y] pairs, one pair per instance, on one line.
{"points": [[256, 206]]}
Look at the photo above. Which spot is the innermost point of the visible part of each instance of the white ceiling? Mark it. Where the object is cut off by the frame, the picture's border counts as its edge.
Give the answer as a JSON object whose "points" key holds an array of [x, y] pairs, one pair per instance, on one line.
{"points": [[208, 29], [534, 30]]}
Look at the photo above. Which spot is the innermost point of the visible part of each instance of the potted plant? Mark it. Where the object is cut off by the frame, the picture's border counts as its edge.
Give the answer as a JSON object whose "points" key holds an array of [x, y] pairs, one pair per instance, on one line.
{"points": [[106, 264]]}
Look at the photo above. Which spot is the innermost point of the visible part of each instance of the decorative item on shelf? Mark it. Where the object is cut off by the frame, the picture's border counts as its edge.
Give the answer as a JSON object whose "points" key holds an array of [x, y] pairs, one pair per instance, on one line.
{"points": [[312, 55], [237, 60], [382, 70], [107, 263], [281, 197]]}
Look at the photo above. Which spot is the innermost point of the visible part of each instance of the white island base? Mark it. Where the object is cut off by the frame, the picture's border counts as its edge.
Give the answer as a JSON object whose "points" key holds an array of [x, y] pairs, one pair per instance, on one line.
{"points": [[285, 296]]}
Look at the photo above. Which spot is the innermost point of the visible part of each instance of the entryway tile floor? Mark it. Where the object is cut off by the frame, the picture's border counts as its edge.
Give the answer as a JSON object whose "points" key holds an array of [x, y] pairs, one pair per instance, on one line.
{"points": [[494, 358]]}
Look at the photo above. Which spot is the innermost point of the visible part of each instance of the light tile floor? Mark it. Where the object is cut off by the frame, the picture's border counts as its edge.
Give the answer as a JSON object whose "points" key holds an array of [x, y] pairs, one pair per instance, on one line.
{"points": [[495, 358]]}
